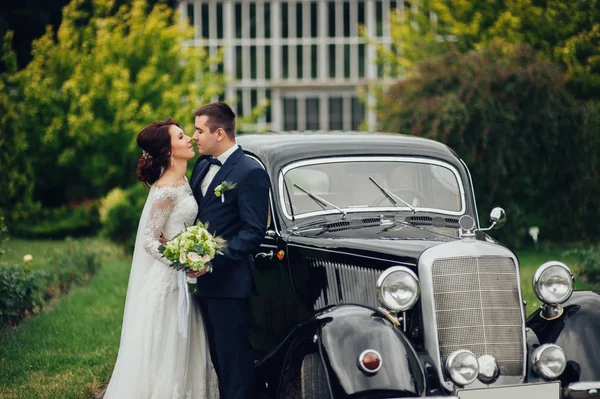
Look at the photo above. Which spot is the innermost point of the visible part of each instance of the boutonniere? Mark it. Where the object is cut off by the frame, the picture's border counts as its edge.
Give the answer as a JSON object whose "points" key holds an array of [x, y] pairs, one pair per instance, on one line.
{"points": [[222, 188]]}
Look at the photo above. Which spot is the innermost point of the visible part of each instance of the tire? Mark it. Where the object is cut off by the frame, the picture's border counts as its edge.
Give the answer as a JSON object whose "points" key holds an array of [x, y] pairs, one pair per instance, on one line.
{"points": [[314, 379]]}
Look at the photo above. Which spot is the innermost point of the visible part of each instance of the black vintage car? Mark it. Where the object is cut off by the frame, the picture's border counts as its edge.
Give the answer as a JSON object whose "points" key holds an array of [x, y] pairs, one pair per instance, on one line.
{"points": [[375, 280]]}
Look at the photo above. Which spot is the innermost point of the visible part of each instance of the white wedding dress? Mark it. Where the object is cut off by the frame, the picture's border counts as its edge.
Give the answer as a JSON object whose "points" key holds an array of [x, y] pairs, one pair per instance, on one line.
{"points": [[156, 360]]}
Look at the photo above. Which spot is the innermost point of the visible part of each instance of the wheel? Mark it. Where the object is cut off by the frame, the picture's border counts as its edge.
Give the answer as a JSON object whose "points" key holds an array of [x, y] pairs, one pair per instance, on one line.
{"points": [[406, 194], [314, 379]]}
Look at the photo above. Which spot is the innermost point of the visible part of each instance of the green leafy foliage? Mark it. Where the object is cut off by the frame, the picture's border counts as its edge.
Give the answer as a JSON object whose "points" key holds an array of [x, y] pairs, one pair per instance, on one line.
{"points": [[59, 222], [23, 290], [518, 129], [95, 83], [15, 184], [589, 260], [565, 32], [123, 215], [3, 235]]}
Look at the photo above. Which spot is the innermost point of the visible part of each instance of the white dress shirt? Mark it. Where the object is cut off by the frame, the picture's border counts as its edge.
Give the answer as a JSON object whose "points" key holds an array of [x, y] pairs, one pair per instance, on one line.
{"points": [[213, 169]]}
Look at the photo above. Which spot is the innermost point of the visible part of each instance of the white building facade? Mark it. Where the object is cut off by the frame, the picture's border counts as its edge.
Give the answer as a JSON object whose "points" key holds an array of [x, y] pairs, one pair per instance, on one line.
{"points": [[307, 58]]}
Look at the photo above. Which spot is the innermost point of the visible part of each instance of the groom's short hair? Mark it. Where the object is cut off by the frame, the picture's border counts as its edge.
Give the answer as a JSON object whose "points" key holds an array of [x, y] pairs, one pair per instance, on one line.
{"points": [[220, 115]]}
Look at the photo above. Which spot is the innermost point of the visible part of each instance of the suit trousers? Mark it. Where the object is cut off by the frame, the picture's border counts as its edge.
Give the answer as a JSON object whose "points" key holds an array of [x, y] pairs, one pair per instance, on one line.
{"points": [[227, 323]]}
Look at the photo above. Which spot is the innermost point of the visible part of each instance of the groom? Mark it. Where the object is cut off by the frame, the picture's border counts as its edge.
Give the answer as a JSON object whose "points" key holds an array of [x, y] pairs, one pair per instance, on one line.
{"points": [[232, 192]]}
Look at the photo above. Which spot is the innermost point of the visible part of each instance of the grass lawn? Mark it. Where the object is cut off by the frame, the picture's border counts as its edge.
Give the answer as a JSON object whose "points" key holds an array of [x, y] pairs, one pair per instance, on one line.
{"points": [[16, 248], [531, 259], [69, 349]]}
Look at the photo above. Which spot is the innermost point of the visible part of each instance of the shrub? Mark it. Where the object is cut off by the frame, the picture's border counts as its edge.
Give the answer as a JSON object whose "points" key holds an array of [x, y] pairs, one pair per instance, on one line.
{"points": [[21, 291], [589, 260], [59, 222], [122, 217], [73, 265], [524, 138]]}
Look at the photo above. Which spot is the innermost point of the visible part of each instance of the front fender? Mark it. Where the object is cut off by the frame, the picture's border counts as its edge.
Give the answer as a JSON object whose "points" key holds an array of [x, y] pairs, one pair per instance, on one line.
{"points": [[348, 330], [577, 332]]}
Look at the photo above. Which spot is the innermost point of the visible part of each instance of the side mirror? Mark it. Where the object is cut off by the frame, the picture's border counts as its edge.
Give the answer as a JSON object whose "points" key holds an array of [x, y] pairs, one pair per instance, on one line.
{"points": [[497, 219]]}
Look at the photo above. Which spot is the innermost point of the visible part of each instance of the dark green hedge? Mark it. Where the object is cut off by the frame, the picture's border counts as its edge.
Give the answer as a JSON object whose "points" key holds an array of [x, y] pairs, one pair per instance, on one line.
{"points": [[531, 148], [122, 218], [24, 290], [58, 223]]}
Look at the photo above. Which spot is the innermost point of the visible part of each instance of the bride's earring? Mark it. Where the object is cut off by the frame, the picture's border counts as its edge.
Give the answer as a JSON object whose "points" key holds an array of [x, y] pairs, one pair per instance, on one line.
{"points": [[172, 161]]}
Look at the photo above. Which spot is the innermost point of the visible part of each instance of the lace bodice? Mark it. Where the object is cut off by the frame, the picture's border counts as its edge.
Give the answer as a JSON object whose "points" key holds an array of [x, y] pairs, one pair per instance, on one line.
{"points": [[172, 210]]}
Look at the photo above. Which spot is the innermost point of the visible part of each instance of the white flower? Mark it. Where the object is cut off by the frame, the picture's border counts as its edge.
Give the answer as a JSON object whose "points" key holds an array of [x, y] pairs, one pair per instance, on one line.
{"points": [[193, 257], [27, 258], [206, 258], [182, 257]]}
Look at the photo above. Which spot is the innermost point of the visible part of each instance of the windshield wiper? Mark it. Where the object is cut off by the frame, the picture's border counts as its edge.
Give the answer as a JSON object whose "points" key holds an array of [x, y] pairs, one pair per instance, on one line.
{"points": [[320, 201], [391, 196]]}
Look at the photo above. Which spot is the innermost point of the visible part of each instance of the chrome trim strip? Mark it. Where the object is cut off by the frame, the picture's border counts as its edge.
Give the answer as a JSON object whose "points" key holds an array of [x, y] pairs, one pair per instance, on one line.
{"points": [[465, 248], [349, 253], [369, 209], [472, 191], [271, 198]]}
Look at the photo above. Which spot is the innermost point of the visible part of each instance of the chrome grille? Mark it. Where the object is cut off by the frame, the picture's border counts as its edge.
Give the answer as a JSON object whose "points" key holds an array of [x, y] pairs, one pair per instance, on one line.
{"points": [[477, 307], [346, 284]]}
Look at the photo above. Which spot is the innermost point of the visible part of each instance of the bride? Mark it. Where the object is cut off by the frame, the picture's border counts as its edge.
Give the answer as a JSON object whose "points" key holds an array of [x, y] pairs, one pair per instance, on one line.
{"points": [[163, 352]]}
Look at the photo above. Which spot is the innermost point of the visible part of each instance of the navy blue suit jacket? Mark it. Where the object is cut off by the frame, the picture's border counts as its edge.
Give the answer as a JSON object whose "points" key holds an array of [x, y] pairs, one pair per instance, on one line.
{"points": [[241, 220]]}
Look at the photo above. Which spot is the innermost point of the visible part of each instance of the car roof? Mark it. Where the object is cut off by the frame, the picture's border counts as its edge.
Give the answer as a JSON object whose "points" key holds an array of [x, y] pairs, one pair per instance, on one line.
{"points": [[278, 149]]}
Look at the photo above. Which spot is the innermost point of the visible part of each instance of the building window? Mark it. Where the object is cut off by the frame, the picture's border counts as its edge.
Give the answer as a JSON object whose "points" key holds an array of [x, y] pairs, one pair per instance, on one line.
{"points": [[332, 61], [346, 19], [268, 62], [336, 113], [252, 20], [239, 107], [299, 19], [253, 62], [285, 61], [290, 117], [268, 115], [239, 64], [219, 20], [314, 66], [312, 113], [268, 20], [299, 63], [284, 20], [358, 113], [314, 19], [205, 21], [238, 20], [331, 19]]}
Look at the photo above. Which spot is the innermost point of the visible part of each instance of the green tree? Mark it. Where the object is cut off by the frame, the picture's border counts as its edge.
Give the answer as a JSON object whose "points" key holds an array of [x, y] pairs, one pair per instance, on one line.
{"points": [[511, 119], [92, 85], [16, 183], [566, 32]]}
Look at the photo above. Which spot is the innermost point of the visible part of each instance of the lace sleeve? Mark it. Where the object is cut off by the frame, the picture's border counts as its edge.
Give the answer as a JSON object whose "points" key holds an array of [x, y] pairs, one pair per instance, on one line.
{"points": [[162, 205]]}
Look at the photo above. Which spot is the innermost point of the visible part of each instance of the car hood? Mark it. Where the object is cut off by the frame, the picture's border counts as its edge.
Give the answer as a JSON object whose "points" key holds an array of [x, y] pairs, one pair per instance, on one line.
{"points": [[400, 243]]}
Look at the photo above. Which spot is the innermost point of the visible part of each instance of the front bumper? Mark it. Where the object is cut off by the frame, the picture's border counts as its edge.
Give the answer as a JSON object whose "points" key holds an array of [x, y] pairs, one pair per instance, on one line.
{"points": [[551, 390]]}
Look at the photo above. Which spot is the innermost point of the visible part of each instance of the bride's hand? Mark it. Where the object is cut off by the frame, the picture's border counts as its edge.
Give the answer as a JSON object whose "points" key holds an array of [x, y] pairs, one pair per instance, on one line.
{"points": [[195, 274]]}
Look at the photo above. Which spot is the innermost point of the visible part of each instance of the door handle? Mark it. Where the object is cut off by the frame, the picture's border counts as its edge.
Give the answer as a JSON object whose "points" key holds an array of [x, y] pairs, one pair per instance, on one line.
{"points": [[268, 255]]}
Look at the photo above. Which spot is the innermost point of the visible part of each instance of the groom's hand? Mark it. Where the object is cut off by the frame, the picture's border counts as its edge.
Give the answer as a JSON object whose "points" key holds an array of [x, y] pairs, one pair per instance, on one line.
{"points": [[195, 274]]}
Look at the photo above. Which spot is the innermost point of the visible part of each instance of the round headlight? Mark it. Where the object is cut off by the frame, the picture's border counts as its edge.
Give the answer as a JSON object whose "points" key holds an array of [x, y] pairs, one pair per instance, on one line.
{"points": [[462, 367], [549, 361], [398, 288], [553, 283]]}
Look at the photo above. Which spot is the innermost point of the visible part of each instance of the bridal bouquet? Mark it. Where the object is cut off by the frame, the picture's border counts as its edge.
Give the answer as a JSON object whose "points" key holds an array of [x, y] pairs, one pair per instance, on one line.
{"points": [[193, 249]]}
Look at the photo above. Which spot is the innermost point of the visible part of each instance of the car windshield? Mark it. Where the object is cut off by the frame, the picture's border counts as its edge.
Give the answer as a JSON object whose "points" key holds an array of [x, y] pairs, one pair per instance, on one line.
{"points": [[364, 184]]}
